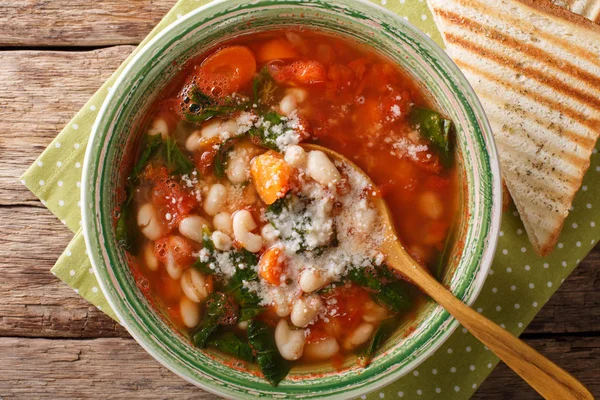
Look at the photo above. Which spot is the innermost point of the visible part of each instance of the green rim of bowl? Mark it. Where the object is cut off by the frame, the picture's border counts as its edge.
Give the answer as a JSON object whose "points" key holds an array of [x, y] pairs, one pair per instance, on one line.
{"points": [[372, 25]]}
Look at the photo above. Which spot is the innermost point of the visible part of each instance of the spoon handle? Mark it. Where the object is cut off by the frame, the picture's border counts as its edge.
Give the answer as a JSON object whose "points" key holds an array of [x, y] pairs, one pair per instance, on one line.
{"points": [[547, 378]]}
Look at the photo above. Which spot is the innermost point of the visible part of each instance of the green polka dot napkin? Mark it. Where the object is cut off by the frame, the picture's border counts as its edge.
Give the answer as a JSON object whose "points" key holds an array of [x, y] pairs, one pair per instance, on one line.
{"points": [[519, 284]]}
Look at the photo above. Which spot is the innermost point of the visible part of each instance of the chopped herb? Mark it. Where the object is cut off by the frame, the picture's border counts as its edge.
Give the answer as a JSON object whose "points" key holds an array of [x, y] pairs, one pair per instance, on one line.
{"points": [[151, 145], [383, 332], [436, 129], [177, 162], [270, 362], [203, 107], [267, 134], [230, 343], [263, 87], [220, 162]]}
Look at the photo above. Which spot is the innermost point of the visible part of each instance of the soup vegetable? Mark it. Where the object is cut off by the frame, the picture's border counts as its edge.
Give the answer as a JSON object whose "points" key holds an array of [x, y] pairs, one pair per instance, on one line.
{"points": [[261, 249]]}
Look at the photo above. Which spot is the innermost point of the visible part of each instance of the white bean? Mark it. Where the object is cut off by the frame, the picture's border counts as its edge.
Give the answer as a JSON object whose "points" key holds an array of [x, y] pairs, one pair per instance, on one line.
{"points": [[290, 342], [190, 312], [322, 350], [211, 129], [321, 169], [158, 126], [269, 233], [222, 222], [305, 309], [359, 336], [243, 325], [173, 269], [221, 240], [228, 128], [149, 258], [243, 224], [374, 312], [215, 199], [281, 303], [300, 94], [148, 222], [194, 285], [430, 205], [193, 141], [311, 279], [288, 104], [295, 156], [238, 166], [191, 227]]}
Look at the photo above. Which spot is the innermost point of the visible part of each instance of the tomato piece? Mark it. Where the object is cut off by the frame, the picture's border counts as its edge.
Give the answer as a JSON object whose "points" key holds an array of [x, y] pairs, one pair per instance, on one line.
{"points": [[271, 176], [272, 265], [301, 72], [180, 248], [172, 200], [276, 49], [226, 71]]}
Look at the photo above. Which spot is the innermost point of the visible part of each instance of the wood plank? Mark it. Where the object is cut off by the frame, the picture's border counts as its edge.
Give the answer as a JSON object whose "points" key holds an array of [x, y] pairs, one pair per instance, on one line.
{"points": [[78, 22], [35, 303], [579, 355], [31, 116], [103, 368], [99, 368]]}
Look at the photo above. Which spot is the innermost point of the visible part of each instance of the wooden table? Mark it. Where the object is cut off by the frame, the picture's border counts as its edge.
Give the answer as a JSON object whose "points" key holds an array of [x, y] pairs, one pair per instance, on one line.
{"points": [[53, 57]]}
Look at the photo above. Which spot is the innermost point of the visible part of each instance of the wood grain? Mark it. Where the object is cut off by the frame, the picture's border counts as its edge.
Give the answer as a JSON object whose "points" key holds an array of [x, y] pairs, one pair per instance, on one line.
{"points": [[31, 116], [77, 22], [120, 368]]}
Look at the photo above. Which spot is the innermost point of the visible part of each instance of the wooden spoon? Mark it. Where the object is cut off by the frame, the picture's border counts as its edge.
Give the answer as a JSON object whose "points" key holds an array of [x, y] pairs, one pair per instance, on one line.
{"points": [[547, 378]]}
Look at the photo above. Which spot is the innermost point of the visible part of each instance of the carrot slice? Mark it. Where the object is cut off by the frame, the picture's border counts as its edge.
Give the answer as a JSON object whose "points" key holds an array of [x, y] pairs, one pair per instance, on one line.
{"points": [[271, 176], [271, 266], [276, 49], [226, 71]]}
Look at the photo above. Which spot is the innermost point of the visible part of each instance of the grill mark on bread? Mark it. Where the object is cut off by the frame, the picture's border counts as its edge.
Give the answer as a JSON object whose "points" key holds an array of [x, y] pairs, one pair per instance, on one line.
{"points": [[583, 141], [531, 73], [593, 124], [526, 26], [535, 53], [548, 148]]}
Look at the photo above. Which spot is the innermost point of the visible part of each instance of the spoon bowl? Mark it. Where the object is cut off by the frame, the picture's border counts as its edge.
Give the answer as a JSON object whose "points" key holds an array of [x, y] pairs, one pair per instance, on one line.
{"points": [[547, 378]]}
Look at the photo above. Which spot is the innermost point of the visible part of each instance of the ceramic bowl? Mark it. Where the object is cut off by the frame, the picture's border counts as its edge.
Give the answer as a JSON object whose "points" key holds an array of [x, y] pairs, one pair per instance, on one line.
{"points": [[150, 70]]}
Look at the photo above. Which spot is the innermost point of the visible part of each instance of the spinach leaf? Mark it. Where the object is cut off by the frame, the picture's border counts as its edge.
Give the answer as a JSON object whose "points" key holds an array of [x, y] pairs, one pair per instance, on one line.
{"points": [[229, 343], [151, 145], [245, 263], [219, 309], [177, 162], [387, 290], [270, 362], [209, 246], [394, 296], [202, 107], [220, 162], [123, 229], [436, 129], [271, 128], [383, 332]]}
